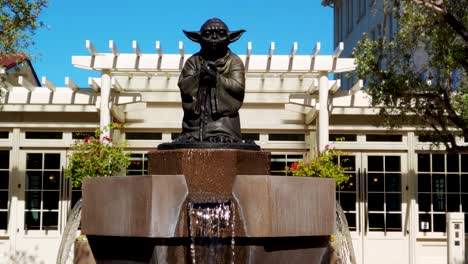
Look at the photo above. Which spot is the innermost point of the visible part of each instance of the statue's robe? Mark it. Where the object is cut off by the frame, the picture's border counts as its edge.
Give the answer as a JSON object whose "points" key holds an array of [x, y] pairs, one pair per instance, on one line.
{"points": [[211, 110]]}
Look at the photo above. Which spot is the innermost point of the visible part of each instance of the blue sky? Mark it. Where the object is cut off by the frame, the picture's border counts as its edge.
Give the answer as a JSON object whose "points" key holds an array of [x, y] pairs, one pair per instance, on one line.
{"points": [[71, 23]]}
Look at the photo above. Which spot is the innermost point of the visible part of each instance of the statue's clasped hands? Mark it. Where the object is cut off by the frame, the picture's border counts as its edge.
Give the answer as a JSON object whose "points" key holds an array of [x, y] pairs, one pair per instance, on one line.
{"points": [[208, 71]]}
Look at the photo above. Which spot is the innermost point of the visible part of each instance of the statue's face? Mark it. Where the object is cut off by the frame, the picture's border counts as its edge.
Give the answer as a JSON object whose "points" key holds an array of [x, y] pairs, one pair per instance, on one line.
{"points": [[214, 36]]}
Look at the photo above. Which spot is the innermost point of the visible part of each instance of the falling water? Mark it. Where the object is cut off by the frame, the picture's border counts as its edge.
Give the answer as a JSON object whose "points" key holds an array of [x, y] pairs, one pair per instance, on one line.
{"points": [[342, 242], [69, 235], [212, 232]]}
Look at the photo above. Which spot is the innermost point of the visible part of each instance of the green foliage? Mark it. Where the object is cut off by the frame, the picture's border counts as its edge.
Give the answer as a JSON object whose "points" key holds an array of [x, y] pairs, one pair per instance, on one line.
{"points": [[324, 165], [418, 73], [19, 19], [95, 157]]}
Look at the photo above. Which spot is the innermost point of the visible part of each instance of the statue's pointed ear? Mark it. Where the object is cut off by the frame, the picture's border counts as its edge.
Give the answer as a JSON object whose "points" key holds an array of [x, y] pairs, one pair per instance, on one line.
{"points": [[193, 35], [235, 35]]}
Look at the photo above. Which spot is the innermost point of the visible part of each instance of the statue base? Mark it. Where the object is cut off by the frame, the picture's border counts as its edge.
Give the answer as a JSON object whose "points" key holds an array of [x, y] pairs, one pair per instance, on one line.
{"points": [[208, 145]]}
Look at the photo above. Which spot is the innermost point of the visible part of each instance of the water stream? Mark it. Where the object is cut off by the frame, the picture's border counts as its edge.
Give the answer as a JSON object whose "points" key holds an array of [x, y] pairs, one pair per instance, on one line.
{"points": [[65, 254], [342, 243], [212, 231]]}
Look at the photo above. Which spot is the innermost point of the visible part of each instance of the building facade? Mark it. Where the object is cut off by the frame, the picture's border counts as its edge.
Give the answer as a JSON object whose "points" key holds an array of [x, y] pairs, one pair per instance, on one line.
{"points": [[412, 217]]}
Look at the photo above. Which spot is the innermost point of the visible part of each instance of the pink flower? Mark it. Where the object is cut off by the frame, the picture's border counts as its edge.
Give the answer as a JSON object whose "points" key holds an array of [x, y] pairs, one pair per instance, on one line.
{"points": [[107, 138], [86, 140], [294, 166]]}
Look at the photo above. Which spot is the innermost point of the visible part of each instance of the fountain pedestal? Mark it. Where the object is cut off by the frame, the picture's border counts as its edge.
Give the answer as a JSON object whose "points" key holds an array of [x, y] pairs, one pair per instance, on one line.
{"points": [[145, 219]]}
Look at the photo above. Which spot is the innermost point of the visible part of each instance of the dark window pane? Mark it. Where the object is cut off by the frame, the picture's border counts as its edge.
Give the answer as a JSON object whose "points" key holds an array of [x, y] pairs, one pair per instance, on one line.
{"points": [[143, 136], [453, 183], [52, 161], [393, 202], [32, 220], [34, 161], [383, 138], [438, 162], [348, 162], [464, 201], [392, 182], [375, 182], [423, 162], [250, 136], [453, 163], [464, 183], [351, 218], [393, 222], [4, 159], [376, 222], [375, 163], [277, 166], [136, 163], [464, 162], [424, 182], [375, 201], [424, 222], [51, 180], [43, 135], [3, 220], [50, 221], [438, 183], [348, 201], [342, 137], [135, 173], [424, 202], [453, 203], [33, 200], [286, 137], [350, 185], [33, 180], [51, 200], [4, 134], [4, 179], [439, 223], [392, 163], [438, 202], [3, 199]]}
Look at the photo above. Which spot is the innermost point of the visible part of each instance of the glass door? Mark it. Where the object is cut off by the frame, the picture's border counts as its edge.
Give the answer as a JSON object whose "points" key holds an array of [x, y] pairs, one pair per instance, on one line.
{"points": [[374, 201]]}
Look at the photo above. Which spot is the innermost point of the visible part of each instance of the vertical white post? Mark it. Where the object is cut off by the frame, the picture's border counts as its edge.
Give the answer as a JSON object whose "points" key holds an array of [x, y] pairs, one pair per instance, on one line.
{"points": [[105, 116], [455, 238], [323, 111]]}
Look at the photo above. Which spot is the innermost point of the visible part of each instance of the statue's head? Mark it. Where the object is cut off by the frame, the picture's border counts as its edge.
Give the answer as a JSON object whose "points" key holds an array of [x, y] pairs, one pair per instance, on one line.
{"points": [[214, 36]]}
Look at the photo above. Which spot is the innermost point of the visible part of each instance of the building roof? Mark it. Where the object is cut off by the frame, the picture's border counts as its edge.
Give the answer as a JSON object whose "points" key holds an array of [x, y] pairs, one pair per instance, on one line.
{"points": [[18, 65], [11, 60]]}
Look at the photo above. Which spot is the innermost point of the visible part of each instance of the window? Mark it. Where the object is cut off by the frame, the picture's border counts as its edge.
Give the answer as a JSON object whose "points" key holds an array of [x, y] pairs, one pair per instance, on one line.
{"points": [[43, 135], [384, 193], [280, 161], [42, 194], [143, 136], [342, 137], [82, 135], [4, 183], [4, 134], [286, 137], [250, 136], [346, 194], [442, 188], [384, 138], [138, 164]]}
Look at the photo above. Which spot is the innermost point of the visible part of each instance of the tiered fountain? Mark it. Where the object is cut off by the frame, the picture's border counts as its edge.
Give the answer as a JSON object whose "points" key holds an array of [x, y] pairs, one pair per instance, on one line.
{"points": [[209, 197]]}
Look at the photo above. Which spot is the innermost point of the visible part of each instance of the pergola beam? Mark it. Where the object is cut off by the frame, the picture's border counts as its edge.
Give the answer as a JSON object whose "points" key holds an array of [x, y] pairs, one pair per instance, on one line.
{"points": [[26, 83], [94, 85], [70, 84], [181, 49], [90, 48], [159, 48], [113, 48], [338, 50], [357, 86], [116, 85], [136, 48], [47, 83]]}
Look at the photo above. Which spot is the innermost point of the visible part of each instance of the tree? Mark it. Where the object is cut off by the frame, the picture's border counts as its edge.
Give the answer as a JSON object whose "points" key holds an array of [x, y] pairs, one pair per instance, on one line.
{"points": [[19, 19], [418, 73]]}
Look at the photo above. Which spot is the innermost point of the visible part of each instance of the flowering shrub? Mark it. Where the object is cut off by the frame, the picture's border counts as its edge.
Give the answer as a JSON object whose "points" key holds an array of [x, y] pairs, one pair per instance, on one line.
{"points": [[325, 165], [95, 157]]}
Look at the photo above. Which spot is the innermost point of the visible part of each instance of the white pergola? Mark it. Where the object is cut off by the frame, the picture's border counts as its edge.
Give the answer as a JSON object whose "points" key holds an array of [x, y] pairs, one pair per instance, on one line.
{"points": [[125, 75]]}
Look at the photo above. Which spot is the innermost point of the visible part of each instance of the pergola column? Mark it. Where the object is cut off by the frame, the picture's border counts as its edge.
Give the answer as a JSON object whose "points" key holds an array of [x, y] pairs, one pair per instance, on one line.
{"points": [[105, 115], [323, 121]]}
